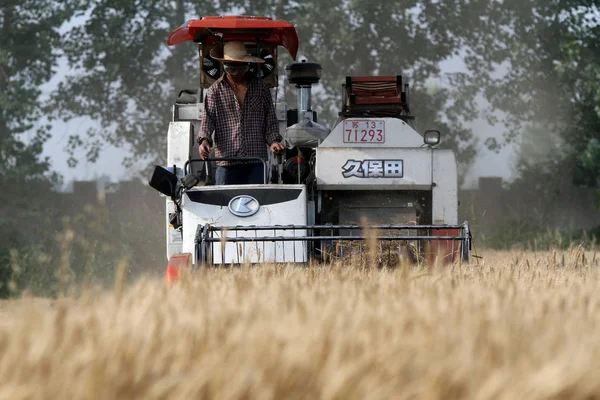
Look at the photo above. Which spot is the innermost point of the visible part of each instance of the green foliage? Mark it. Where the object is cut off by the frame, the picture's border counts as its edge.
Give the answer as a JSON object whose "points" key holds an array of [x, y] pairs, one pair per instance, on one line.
{"points": [[549, 51], [34, 251], [510, 236], [125, 77], [6, 275], [28, 57], [74, 240], [528, 218]]}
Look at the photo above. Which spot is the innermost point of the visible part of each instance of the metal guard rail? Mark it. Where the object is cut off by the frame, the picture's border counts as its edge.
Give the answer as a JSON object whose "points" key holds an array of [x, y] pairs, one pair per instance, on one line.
{"points": [[357, 227], [205, 238]]}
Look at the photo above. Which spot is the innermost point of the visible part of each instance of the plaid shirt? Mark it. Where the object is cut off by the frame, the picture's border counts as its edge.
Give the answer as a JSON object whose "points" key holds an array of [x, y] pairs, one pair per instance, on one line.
{"points": [[239, 131]]}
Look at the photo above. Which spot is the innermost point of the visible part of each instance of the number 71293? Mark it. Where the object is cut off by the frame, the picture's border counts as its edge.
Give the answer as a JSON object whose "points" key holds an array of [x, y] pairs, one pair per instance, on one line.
{"points": [[364, 131]]}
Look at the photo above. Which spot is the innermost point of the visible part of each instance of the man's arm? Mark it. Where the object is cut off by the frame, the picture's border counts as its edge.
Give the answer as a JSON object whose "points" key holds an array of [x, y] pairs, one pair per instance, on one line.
{"points": [[272, 125], [207, 124]]}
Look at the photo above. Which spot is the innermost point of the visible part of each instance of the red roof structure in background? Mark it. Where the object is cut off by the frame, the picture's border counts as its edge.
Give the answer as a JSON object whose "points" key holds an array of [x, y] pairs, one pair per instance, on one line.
{"points": [[244, 28]]}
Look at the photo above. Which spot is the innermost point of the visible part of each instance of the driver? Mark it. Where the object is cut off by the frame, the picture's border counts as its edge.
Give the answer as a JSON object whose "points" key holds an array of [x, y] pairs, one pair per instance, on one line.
{"points": [[239, 112]]}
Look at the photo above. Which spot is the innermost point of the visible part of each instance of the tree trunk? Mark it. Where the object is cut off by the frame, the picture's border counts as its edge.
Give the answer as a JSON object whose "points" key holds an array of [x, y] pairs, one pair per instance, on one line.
{"points": [[8, 13], [280, 9], [178, 53], [5, 28]]}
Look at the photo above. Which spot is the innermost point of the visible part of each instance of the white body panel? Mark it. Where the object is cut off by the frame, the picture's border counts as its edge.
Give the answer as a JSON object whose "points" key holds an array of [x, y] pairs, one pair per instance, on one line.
{"points": [[174, 237], [399, 161], [178, 139], [188, 111], [335, 168], [178, 144], [344, 164], [445, 192], [214, 210]]}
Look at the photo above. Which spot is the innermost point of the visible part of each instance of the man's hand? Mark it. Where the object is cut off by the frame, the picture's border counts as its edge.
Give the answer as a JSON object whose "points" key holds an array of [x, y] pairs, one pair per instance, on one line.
{"points": [[277, 148], [204, 149]]}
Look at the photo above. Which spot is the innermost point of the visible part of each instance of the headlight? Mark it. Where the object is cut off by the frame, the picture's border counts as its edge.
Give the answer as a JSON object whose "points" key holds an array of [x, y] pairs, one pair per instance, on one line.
{"points": [[432, 137]]}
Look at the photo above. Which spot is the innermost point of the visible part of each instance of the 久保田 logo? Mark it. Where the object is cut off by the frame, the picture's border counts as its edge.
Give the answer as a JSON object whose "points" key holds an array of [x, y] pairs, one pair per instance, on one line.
{"points": [[243, 206]]}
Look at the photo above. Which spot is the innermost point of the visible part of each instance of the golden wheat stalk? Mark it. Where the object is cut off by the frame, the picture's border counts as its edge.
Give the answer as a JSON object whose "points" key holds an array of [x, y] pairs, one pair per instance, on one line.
{"points": [[520, 325]]}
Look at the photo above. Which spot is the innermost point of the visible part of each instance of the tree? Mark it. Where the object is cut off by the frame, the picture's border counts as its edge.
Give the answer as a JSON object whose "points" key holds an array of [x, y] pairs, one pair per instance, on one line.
{"points": [[124, 75], [126, 78], [29, 51], [552, 59], [579, 71], [28, 57]]}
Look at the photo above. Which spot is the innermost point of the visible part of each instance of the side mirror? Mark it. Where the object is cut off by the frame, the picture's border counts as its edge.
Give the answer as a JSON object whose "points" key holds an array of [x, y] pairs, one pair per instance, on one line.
{"points": [[163, 180], [432, 138]]}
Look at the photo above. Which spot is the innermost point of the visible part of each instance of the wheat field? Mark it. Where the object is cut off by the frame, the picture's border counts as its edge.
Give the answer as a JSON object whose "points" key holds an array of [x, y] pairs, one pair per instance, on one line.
{"points": [[511, 326]]}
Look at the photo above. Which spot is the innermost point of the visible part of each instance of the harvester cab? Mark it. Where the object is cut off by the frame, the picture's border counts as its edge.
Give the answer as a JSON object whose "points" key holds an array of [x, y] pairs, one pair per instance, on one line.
{"points": [[373, 172]]}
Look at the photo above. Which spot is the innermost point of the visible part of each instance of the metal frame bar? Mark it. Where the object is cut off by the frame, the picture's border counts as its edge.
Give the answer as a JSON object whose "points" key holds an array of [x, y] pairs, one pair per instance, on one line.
{"points": [[205, 237], [331, 227], [313, 238]]}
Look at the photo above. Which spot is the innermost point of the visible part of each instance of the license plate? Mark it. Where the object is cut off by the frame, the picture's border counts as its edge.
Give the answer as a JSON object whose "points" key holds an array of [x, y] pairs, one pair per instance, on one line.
{"points": [[364, 131]]}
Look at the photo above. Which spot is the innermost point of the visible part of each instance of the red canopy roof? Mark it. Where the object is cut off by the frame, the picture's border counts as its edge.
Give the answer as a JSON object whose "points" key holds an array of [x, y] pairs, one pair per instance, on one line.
{"points": [[245, 28]]}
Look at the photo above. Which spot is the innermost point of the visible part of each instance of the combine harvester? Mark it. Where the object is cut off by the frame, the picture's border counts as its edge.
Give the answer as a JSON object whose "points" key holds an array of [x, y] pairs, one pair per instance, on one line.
{"points": [[372, 166]]}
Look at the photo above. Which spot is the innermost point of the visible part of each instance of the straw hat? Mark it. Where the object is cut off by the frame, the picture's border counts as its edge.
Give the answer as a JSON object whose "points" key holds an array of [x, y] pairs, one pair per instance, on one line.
{"points": [[235, 52]]}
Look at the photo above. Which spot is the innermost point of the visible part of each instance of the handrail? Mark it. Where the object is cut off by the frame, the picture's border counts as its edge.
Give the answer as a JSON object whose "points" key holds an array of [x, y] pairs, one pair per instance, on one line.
{"points": [[192, 160]]}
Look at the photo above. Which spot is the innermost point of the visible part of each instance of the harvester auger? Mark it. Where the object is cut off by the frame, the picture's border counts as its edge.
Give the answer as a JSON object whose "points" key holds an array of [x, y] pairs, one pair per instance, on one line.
{"points": [[373, 172]]}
